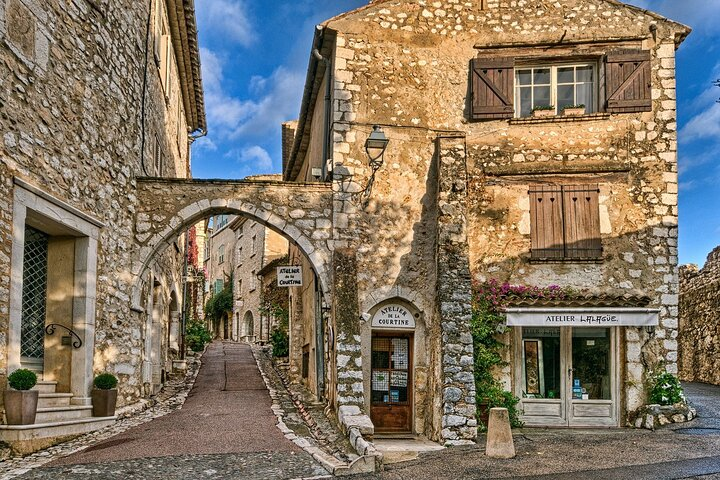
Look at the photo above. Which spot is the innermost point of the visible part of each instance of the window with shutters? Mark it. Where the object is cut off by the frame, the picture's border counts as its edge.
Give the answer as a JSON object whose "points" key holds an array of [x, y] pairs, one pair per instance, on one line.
{"points": [[565, 222], [559, 86], [492, 88], [221, 254]]}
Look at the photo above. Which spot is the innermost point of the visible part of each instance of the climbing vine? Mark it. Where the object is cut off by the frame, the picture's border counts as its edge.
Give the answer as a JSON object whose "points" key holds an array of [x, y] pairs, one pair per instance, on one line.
{"points": [[487, 324], [274, 303]]}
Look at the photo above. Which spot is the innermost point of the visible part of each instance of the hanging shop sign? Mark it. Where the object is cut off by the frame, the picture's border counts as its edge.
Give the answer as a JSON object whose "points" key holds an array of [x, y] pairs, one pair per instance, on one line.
{"points": [[393, 316], [289, 276], [582, 317]]}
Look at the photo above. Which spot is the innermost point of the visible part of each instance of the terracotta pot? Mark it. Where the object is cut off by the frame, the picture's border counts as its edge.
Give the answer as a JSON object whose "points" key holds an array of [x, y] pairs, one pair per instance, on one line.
{"points": [[103, 402], [543, 113], [20, 406], [574, 111]]}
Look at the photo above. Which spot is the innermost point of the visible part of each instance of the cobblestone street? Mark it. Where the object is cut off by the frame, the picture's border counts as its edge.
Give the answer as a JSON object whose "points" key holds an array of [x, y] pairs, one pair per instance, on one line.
{"points": [[225, 429]]}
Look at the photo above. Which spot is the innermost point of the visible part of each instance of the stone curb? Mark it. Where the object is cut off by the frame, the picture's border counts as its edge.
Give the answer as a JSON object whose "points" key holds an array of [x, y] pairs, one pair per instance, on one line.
{"points": [[127, 418], [329, 463]]}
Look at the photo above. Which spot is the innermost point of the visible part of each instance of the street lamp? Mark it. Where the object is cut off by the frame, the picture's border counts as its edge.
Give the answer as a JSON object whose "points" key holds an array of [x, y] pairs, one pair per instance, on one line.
{"points": [[375, 146]]}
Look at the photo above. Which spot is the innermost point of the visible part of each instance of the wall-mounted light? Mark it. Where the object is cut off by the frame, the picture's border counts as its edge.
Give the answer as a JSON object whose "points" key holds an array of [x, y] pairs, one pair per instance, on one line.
{"points": [[375, 146]]}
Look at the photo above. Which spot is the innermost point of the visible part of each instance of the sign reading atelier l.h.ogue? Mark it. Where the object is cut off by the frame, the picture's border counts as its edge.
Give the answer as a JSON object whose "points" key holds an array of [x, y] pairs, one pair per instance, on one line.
{"points": [[289, 276], [393, 316]]}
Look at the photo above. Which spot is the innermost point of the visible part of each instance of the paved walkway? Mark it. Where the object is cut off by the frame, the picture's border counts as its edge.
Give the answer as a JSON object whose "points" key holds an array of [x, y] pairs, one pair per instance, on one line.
{"points": [[224, 430]]}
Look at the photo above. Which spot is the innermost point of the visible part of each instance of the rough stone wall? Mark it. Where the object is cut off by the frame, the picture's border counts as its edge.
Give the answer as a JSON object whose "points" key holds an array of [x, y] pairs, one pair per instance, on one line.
{"points": [[699, 337], [70, 90], [404, 65], [248, 261]]}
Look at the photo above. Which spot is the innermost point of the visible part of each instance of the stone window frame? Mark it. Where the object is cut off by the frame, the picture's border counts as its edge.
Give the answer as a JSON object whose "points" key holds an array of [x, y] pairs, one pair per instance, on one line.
{"points": [[31, 202]]}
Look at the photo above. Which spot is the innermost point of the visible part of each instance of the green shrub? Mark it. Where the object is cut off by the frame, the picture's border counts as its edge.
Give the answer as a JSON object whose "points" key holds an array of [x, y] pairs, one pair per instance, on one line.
{"points": [[280, 342], [495, 395], [105, 381], [22, 379], [666, 390], [197, 335]]}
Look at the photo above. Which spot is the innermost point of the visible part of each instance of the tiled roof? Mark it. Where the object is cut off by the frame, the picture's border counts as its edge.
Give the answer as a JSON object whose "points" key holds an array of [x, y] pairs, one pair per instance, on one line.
{"points": [[586, 300]]}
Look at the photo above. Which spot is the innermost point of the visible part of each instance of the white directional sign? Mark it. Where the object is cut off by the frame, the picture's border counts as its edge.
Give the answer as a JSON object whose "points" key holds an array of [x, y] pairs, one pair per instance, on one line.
{"points": [[289, 276]]}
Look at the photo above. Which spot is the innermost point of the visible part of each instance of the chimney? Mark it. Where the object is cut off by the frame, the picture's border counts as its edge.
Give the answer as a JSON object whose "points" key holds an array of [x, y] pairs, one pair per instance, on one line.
{"points": [[288, 139]]}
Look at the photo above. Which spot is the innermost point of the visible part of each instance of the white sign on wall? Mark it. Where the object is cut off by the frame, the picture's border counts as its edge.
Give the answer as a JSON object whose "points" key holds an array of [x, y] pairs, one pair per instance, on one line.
{"points": [[289, 276], [582, 317], [393, 316]]}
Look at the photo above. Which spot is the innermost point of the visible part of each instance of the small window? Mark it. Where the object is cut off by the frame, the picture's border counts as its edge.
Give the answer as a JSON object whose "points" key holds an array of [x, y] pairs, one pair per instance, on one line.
{"points": [[565, 222], [221, 254], [557, 86], [158, 30]]}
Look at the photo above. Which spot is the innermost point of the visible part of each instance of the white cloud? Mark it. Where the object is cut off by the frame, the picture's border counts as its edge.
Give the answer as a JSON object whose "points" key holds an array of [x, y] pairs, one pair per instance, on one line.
{"points": [[254, 158], [226, 20], [704, 125], [205, 144]]}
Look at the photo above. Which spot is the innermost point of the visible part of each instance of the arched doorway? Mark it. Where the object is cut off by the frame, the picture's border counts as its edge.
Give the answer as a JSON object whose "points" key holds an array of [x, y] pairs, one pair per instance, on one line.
{"points": [[248, 327]]}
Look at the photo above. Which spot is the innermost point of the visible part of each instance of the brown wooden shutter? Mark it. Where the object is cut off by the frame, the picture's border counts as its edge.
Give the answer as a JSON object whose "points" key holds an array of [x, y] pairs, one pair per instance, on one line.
{"points": [[492, 83], [628, 81], [581, 212], [546, 220]]}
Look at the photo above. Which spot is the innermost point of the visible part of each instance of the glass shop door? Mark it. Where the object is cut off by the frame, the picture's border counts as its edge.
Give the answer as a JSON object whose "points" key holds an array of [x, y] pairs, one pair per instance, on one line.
{"points": [[391, 407]]}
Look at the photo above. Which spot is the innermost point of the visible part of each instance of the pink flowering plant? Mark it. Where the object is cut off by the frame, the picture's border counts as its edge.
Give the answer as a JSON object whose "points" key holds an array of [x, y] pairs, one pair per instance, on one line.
{"points": [[488, 321]]}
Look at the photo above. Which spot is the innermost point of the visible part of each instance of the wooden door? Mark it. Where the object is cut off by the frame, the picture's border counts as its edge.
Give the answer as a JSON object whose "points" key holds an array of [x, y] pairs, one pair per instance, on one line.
{"points": [[391, 386]]}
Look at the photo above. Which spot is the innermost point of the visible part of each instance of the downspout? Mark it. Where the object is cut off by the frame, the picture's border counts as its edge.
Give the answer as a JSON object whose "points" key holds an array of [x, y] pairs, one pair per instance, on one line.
{"points": [[328, 112]]}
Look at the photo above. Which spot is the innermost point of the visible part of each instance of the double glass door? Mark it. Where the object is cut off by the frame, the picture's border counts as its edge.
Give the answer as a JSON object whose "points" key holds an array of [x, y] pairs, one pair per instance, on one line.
{"points": [[567, 376]]}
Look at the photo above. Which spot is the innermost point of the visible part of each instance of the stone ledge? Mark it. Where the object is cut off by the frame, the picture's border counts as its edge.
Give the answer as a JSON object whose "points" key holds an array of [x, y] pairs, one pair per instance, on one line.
{"points": [[560, 119], [655, 416]]}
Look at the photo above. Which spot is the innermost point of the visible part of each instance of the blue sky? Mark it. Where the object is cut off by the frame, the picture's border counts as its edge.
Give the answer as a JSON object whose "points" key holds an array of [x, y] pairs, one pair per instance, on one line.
{"points": [[254, 57]]}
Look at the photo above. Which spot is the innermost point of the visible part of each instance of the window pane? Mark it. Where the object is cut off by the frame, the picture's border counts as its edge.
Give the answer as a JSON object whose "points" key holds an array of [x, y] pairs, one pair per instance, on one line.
{"points": [[565, 96], [566, 75], [525, 95], [524, 77], [591, 366], [541, 76], [541, 366], [585, 74], [585, 96], [541, 96]]}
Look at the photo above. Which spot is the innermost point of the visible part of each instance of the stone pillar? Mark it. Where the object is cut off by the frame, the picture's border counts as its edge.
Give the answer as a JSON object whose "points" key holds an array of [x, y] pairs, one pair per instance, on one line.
{"points": [[347, 322], [459, 424], [174, 331]]}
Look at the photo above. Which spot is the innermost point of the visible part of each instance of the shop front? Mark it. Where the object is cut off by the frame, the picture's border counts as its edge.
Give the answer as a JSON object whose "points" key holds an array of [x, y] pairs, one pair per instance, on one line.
{"points": [[567, 363], [392, 372]]}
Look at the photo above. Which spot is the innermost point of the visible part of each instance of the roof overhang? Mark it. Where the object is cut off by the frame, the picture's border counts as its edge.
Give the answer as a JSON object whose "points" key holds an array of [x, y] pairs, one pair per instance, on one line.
{"points": [[183, 30]]}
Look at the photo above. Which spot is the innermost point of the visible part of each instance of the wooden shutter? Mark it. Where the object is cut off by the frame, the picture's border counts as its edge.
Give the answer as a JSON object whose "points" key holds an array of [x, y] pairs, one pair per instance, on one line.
{"points": [[581, 213], [546, 220], [628, 81], [492, 82]]}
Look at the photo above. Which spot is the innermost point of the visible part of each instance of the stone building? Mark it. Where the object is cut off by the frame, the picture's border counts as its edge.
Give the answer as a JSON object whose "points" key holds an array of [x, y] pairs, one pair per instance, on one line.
{"points": [[256, 248], [219, 268], [699, 331], [89, 103], [473, 186]]}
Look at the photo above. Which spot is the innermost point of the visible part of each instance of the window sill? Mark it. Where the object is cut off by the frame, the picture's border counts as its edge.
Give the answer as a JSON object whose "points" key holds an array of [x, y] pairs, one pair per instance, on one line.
{"points": [[560, 119], [567, 260]]}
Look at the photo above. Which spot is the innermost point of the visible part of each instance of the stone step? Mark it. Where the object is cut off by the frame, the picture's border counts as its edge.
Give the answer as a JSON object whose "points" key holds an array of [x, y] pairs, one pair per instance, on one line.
{"points": [[61, 414], [43, 386], [26, 438], [46, 400]]}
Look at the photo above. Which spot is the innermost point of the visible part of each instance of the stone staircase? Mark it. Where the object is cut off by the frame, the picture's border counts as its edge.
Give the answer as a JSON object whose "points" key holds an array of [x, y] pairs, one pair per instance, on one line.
{"points": [[57, 420]]}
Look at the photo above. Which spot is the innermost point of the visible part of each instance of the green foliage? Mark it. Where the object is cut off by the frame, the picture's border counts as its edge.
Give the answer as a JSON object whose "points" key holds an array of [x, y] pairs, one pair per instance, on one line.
{"points": [[274, 301], [543, 107], [280, 342], [197, 335], [487, 323], [105, 381], [666, 390], [220, 303], [579, 105], [22, 379]]}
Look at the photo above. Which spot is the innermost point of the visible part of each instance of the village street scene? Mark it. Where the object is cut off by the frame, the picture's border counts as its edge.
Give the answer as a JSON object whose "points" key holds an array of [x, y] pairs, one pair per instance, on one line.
{"points": [[375, 239]]}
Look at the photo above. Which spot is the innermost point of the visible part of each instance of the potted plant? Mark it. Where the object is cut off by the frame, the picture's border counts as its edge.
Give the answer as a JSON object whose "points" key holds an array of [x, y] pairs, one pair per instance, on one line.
{"points": [[20, 401], [574, 110], [543, 111], [104, 395]]}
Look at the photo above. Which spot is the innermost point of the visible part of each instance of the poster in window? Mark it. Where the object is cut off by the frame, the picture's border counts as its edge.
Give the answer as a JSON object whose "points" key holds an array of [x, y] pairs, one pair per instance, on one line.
{"points": [[533, 365], [380, 381], [398, 379]]}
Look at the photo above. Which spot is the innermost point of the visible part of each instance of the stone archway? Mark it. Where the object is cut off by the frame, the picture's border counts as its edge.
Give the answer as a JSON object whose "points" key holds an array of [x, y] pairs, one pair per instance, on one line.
{"points": [[302, 212]]}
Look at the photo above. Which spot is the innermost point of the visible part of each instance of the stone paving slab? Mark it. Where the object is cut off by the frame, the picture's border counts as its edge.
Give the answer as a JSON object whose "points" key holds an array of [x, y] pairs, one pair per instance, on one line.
{"points": [[246, 466]]}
